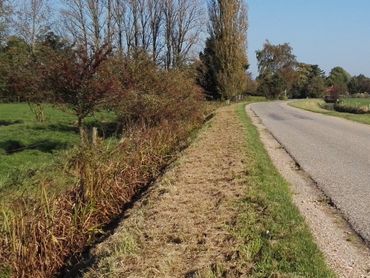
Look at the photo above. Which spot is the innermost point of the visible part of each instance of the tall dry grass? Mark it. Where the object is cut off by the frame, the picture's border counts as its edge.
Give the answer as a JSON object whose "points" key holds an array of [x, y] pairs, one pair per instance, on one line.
{"points": [[39, 232]]}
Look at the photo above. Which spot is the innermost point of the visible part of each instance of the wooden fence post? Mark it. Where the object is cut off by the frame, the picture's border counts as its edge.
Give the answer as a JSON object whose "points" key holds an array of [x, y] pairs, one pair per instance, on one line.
{"points": [[94, 136]]}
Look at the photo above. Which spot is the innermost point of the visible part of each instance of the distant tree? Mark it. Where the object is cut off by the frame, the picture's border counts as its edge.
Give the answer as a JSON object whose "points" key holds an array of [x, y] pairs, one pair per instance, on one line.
{"points": [[272, 86], [32, 19], [13, 63], [310, 81], [275, 58], [316, 87], [5, 13], [276, 65], [23, 74], [54, 42], [183, 23], [251, 85], [339, 79], [89, 23], [224, 58], [359, 84]]}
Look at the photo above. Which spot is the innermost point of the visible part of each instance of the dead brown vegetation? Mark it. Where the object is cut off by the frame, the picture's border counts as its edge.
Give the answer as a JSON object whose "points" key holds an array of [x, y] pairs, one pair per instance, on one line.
{"points": [[39, 233], [183, 227]]}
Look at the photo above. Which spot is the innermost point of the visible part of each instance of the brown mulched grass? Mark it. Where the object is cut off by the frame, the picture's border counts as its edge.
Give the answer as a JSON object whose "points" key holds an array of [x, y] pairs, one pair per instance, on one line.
{"points": [[182, 227]]}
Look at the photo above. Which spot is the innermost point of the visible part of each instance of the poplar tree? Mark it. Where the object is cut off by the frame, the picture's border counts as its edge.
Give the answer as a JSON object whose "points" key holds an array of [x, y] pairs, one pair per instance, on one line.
{"points": [[224, 60]]}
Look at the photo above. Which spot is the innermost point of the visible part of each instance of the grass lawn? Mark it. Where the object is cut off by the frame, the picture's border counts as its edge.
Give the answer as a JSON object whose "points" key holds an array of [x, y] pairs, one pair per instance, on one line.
{"points": [[314, 105], [274, 236], [26, 145], [356, 101]]}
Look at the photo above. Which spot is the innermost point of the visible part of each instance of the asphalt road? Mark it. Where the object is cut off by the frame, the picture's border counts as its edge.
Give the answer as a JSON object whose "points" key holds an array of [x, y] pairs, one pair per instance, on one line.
{"points": [[333, 151]]}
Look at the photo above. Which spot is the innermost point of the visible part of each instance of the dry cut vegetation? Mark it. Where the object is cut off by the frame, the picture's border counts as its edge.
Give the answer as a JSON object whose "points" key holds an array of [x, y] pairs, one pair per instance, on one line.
{"points": [[223, 210], [182, 228]]}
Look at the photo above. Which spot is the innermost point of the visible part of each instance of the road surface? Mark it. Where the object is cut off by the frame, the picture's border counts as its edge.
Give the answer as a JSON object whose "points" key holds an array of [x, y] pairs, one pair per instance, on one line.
{"points": [[333, 151]]}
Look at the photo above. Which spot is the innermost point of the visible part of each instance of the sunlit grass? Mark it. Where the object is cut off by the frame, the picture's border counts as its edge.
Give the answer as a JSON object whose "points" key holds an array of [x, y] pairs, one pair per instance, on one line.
{"points": [[26, 145], [276, 240], [315, 105]]}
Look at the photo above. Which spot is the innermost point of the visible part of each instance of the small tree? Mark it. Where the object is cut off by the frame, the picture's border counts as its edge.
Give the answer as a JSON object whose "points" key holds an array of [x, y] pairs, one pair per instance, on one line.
{"points": [[84, 83]]}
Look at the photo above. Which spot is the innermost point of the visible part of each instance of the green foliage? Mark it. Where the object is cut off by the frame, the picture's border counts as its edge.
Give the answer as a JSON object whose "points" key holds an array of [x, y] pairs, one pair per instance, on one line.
{"points": [[224, 59], [310, 81], [208, 68], [272, 86], [339, 79], [359, 84], [276, 65], [13, 60]]}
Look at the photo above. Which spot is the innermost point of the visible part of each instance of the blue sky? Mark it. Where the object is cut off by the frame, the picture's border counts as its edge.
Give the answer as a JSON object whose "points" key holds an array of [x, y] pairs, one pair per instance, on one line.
{"points": [[324, 32]]}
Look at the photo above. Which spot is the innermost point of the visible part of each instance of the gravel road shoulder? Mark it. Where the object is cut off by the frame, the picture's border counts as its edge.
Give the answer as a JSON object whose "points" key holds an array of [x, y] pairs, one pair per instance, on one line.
{"points": [[345, 252]]}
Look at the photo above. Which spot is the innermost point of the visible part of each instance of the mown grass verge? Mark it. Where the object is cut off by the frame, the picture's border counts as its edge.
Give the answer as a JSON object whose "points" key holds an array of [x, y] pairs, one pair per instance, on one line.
{"points": [[315, 105], [276, 242]]}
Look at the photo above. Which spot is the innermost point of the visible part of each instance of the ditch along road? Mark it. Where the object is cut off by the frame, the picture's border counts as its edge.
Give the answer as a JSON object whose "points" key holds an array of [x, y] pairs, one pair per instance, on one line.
{"points": [[183, 226], [179, 228], [334, 152]]}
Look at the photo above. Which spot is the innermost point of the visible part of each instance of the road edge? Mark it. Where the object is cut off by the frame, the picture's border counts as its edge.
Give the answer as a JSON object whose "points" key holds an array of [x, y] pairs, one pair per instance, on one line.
{"points": [[345, 251]]}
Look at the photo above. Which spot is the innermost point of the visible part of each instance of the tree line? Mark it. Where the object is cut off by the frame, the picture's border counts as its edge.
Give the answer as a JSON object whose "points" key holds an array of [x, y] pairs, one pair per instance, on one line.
{"points": [[282, 76], [46, 49], [138, 60]]}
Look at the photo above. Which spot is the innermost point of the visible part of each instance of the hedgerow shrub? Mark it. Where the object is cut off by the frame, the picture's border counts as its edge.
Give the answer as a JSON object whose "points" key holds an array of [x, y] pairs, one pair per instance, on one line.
{"points": [[39, 232], [152, 95], [354, 109]]}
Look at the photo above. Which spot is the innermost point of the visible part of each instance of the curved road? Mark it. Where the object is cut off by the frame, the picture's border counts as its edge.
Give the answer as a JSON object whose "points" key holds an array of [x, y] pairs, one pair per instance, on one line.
{"points": [[333, 151]]}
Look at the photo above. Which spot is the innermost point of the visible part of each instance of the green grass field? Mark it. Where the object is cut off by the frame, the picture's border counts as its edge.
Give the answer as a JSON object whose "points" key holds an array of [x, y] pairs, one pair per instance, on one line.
{"points": [[315, 105], [356, 101], [27, 145]]}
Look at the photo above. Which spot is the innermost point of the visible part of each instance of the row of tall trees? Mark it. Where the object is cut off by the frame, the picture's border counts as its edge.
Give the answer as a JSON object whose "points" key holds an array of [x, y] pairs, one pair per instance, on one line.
{"points": [[169, 32], [167, 29], [282, 76]]}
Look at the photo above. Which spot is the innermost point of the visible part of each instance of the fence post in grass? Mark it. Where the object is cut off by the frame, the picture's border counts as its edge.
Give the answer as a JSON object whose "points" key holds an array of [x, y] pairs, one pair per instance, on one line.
{"points": [[94, 135]]}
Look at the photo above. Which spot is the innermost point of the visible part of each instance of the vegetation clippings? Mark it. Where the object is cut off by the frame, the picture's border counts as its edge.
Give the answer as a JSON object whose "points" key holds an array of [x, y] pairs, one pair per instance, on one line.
{"points": [[222, 211]]}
